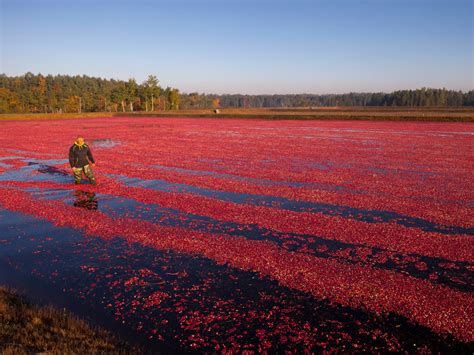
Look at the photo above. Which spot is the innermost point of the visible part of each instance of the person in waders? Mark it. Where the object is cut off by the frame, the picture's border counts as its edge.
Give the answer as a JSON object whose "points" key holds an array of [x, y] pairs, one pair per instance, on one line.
{"points": [[81, 160]]}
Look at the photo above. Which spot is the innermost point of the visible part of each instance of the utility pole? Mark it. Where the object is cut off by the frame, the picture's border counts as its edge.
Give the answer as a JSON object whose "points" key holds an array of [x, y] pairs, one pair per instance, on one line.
{"points": [[152, 104], [80, 104]]}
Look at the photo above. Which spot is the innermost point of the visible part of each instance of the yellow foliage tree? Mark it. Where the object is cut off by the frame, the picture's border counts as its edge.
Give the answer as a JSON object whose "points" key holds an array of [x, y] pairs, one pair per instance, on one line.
{"points": [[9, 101]]}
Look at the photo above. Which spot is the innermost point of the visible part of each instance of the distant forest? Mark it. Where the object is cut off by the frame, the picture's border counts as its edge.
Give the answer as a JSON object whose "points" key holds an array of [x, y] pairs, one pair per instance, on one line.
{"points": [[32, 93]]}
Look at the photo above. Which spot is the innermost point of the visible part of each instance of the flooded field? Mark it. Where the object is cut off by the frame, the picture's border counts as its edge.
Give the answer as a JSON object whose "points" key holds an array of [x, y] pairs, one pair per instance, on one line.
{"points": [[214, 235]]}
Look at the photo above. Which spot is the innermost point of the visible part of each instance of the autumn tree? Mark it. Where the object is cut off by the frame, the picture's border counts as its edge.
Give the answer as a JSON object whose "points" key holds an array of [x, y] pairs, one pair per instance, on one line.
{"points": [[9, 101], [174, 99], [73, 104], [216, 103]]}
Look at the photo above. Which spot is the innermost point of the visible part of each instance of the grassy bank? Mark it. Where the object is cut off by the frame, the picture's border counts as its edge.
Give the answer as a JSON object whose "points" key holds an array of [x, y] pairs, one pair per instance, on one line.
{"points": [[51, 116], [25, 328], [441, 114], [462, 114]]}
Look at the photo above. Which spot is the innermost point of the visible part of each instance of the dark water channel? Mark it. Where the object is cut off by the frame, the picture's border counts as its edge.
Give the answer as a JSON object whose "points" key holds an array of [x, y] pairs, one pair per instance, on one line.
{"points": [[162, 300], [92, 277]]}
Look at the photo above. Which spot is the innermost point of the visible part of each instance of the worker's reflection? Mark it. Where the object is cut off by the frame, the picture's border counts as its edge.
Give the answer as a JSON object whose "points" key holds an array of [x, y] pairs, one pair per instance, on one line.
{"points": [[85, 199]]}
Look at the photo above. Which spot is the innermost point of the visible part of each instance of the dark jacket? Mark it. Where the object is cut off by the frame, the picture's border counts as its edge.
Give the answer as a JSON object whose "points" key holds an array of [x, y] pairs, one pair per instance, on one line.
{"points": [[80, 156]]}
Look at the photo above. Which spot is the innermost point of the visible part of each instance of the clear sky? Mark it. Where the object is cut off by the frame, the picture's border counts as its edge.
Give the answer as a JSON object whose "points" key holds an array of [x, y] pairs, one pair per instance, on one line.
{"points": [[244, 46]]}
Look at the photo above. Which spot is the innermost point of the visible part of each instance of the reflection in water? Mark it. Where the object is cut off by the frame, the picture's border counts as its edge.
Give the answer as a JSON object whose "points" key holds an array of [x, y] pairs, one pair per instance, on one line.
{"points": [[85, 199]]}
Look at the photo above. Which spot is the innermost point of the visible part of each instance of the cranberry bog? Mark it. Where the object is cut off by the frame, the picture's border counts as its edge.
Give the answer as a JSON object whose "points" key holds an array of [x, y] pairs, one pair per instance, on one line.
{"points": [[208, 235]]}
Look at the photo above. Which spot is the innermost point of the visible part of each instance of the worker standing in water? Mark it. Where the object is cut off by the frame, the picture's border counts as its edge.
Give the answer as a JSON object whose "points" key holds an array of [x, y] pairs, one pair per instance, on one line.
{"points": [[81, 160]]}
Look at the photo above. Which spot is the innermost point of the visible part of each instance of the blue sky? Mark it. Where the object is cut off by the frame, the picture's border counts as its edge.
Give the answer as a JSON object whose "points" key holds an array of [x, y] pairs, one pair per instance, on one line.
{"points": [[252, 47]]}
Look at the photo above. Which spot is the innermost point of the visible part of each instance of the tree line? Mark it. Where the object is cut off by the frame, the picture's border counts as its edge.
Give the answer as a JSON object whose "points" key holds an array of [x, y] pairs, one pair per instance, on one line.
{"points": [[418, 97], [65, 93]]}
